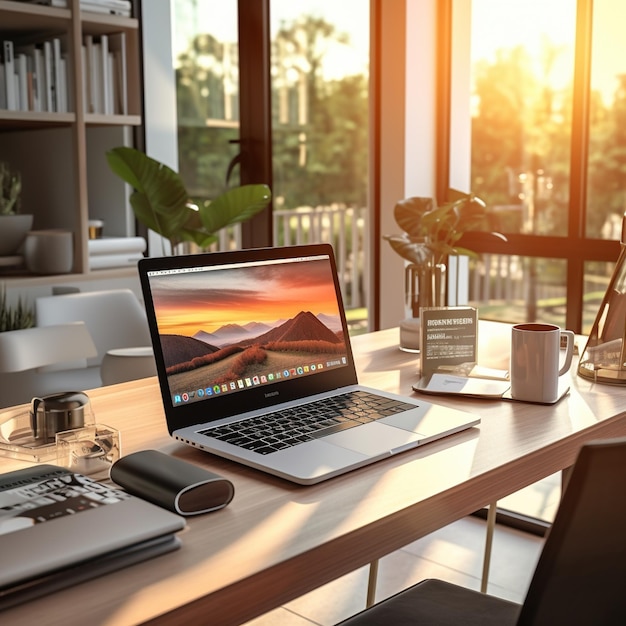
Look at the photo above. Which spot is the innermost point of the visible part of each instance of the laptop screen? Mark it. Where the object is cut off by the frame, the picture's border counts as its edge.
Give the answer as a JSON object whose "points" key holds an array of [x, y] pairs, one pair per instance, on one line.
{"points": [[226, 326]]}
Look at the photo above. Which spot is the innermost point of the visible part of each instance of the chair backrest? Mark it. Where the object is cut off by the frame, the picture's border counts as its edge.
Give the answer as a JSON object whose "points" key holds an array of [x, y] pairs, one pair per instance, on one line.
{"points": [[115, 318], [581, 574]]}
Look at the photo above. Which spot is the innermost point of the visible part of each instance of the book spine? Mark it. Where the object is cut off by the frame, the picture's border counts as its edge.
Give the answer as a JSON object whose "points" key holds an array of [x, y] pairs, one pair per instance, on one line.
{"points": [[3, 88], [105, 75], [58, 80], [9, 75], [117, 43], [48, 77], [39, 80], [22, 81], [85, 77], [91, 78], [97, 78]]}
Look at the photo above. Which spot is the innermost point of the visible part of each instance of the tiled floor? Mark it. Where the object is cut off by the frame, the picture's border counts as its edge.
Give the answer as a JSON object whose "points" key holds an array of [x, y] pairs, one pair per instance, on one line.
{"points": [[453, 553]]}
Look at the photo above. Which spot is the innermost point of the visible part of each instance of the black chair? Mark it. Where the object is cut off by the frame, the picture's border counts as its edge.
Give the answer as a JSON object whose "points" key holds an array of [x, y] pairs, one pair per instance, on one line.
{"points": [[581, 574]]}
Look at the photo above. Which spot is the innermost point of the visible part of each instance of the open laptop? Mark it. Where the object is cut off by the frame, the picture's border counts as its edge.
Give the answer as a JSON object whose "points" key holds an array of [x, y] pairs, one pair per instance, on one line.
{"points": [[251, 344]]}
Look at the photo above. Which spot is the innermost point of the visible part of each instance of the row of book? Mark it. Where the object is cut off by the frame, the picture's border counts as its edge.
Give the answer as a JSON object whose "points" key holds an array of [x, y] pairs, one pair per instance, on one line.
{"points": [[112, 7], [35, 76]]}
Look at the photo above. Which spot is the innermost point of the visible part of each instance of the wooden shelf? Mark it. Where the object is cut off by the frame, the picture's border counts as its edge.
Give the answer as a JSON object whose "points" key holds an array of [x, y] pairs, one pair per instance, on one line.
{"points": [[24, 279], [24, 120], [96, 119], [20, 16], [61, 156], [101, 23]]}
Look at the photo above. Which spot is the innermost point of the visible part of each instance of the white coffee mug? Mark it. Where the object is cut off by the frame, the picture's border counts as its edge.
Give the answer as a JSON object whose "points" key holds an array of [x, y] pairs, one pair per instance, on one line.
{"points": [[535, 356], [49, 251]]}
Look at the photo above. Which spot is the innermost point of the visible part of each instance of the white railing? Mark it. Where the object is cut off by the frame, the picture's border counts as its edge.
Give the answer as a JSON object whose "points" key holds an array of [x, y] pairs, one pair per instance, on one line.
{"points": [[510, 288], [345, 228], [497, 282]]}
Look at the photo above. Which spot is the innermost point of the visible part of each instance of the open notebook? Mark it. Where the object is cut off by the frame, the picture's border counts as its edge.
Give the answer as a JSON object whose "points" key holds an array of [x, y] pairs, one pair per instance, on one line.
{"points": [[255, 365]]}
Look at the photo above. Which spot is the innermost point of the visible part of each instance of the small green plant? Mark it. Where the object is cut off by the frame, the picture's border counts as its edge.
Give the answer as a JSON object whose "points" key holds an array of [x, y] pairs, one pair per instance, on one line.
{"points": [[15, 318], [10, 190], [432, 232], [160, 200]]}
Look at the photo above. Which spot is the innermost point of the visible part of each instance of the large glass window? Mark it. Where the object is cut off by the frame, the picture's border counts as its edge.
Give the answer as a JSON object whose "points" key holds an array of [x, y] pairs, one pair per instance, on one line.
{"points": [[319, 113], [606, 189], [522, 82], [547, 146], [207, 93]]}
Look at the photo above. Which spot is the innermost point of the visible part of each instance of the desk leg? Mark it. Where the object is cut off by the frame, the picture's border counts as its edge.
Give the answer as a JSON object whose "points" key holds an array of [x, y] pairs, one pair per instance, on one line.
{"points": [[491, 524], [371, 584]]}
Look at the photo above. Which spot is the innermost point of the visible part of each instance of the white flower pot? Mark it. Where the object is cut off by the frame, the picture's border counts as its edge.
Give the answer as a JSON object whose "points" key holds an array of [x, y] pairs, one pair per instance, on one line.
{"points": [[49, 251], [13, 229]]}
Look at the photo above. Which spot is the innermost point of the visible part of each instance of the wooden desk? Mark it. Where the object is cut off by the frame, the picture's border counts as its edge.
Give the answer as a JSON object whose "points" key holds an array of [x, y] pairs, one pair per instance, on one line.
{"points": [[276, 540]]}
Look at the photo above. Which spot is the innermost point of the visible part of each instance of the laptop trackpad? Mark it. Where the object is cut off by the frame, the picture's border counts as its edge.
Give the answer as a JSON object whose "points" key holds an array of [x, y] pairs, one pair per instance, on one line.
{"points": [[374, 439]]}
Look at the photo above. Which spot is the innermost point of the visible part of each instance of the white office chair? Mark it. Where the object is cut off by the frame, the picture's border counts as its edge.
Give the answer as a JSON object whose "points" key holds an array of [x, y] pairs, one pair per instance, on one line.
{"points": [[116, 320], [25, 355]]}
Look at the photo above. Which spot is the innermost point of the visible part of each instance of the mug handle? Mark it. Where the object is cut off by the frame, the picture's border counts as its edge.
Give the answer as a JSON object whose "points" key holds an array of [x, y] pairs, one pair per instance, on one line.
{"points": [[35, 402], [569, 351]]}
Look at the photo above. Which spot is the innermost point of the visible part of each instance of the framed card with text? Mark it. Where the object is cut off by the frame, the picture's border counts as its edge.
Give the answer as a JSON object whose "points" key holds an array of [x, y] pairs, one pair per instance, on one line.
{"points": [[449, 336]]}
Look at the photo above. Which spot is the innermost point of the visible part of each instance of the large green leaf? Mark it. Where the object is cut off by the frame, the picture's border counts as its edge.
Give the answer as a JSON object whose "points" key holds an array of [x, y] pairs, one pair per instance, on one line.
{"points": [[160, 198], [408, 214], [413, 251], [235, 205], [444, 228], [161, 202]]}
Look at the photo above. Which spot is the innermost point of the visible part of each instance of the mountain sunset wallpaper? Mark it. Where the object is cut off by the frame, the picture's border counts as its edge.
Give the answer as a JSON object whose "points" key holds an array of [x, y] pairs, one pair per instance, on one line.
{"points": [[228, 328]]}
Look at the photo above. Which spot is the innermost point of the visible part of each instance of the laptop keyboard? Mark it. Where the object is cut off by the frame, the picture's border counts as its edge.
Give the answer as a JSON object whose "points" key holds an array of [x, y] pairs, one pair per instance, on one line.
{"points": [[289, 427]]}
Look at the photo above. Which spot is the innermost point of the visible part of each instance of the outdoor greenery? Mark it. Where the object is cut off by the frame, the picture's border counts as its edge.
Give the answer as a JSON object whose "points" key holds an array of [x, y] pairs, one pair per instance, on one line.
{"points": [[318, 162], [521, 139]]}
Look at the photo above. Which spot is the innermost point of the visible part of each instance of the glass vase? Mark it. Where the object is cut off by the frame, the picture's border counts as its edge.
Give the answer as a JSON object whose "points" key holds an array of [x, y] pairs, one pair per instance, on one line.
{"points": [[424, 286]]}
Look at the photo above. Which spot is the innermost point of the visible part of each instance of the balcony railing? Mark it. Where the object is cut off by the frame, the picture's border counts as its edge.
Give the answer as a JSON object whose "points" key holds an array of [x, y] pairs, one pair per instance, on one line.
{"points": [[503, 287]]}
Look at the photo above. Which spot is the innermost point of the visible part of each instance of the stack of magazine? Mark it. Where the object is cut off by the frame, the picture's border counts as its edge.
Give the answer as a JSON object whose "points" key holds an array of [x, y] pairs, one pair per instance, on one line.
{"points": [[111, 252], [59, 528]]}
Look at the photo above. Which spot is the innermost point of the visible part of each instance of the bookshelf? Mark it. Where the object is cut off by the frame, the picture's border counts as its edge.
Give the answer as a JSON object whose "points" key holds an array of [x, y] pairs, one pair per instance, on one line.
{"points": [[60, 149]]}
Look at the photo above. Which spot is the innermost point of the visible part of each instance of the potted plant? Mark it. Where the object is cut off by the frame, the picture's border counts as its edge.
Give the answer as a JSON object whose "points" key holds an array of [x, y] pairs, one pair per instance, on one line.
{"points": [[161, 202], [431, 234], [13, 225], [15, 318]]}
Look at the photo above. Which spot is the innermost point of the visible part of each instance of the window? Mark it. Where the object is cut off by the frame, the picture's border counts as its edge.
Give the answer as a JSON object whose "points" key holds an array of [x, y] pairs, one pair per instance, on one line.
{"points": [[319, 57], [547, 93]]}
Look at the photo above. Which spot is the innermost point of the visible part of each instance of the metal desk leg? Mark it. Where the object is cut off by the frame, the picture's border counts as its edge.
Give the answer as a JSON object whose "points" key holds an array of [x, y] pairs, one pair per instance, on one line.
{"points": [[491, 524], [371, 584]]}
